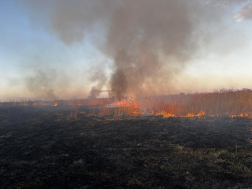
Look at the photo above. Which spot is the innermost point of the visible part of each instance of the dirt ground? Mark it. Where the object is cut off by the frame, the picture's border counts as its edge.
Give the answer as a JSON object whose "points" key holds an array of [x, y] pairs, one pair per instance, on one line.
{"points": [[57, 147]]}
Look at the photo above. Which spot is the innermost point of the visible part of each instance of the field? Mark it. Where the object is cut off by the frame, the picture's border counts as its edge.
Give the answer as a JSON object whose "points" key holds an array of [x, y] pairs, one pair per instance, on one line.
{"points": [[63, 147]]}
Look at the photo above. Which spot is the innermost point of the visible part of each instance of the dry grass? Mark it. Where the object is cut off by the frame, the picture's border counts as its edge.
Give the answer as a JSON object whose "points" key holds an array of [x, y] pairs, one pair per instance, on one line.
{"points": [[223, 102], [236, 103]]}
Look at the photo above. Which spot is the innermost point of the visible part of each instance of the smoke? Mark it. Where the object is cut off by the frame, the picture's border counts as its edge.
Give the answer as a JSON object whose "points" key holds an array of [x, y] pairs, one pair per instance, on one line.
{"points": [[143, 38], [99, 77], [246, 13], [149, 41], [45, 83], [70, 19]]}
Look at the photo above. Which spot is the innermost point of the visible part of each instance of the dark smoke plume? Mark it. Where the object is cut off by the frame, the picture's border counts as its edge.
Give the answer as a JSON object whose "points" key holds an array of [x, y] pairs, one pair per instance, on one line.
{"points": [[149, 41]]}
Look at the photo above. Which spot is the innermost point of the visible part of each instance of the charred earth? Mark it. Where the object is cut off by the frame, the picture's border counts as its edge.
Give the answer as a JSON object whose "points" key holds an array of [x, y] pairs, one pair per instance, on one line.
{"points": [[58, 147]]}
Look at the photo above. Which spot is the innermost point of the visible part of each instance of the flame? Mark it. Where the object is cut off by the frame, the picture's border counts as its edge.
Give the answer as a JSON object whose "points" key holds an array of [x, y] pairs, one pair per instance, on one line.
{"points": [[120, 103], [240, 115], [218, 115], [200, 105], [193, 115], [125, 107], [200, 114], [165, 114], [132, 103]]}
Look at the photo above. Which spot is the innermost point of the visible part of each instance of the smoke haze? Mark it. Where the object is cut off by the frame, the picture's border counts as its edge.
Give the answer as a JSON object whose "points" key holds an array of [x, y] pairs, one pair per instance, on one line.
{"points": [[149, 42], [43, 83], [98, 76], [246, 13]]}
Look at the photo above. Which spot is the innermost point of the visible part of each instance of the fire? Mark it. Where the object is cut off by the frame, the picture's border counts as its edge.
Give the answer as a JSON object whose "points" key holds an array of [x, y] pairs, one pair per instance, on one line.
{"points": [[132, 103], [240, 115], [193, 115], [165, 114], [191, 105], [120, 103], [218, 115], [200, 114], [123, 108]]}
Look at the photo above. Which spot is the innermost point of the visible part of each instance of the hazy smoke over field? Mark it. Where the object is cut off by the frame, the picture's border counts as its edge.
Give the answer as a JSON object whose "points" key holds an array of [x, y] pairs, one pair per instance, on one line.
{"points": [[149, 41], [43, 83], [99, 77]]}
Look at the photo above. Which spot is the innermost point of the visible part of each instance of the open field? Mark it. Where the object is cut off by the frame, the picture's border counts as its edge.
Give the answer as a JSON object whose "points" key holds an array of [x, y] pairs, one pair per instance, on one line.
{"points": [[59, 147], [123, 94]]}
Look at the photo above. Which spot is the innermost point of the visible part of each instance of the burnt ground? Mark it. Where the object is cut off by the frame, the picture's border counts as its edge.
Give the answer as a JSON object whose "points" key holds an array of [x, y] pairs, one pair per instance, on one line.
{"points": [[55, 148]]}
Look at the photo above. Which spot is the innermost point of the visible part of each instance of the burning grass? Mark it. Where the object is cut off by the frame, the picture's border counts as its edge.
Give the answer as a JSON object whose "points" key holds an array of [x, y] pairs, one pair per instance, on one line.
{"points": [[222, 103], [98, 142], [231, 103]]}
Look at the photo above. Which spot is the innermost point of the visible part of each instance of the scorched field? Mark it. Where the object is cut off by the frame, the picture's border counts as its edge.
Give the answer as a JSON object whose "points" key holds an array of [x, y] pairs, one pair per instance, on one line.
{"points": [[93, 146]]}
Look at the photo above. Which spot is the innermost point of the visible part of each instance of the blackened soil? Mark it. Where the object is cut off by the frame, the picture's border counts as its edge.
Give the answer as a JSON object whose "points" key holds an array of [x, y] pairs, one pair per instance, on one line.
{"points": [[63, 148]]}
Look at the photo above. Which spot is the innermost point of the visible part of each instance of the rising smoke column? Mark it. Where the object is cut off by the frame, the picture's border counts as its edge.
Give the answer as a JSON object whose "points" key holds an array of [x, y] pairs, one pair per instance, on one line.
{"points": [[149, 41], [145, 38]]}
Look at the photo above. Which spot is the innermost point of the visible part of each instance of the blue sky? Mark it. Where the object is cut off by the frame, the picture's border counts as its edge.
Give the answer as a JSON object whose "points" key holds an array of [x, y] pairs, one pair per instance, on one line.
{"points": [[26, 48]]}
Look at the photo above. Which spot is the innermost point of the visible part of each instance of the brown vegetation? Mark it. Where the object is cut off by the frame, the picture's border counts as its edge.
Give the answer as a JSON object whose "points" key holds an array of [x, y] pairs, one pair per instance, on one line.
{"points": [[232, 103], [220, 103]]}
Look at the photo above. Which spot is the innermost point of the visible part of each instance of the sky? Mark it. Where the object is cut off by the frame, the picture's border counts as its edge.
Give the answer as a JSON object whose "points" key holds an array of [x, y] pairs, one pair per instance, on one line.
{"points": [[73, 49]]}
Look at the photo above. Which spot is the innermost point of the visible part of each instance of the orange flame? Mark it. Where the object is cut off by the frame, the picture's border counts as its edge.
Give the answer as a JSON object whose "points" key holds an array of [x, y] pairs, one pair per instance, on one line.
{"points": [[165, 114], [56, 104], [133, 104], [240, 115], [126, 107], [193, 115], [218, 115]]}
